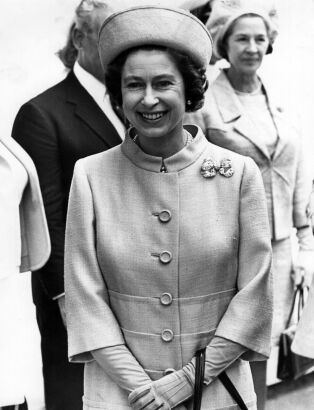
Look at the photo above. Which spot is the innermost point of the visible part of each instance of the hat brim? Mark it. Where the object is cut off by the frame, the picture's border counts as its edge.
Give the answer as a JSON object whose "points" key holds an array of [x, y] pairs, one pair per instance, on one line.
{"points": [[152, 25]]}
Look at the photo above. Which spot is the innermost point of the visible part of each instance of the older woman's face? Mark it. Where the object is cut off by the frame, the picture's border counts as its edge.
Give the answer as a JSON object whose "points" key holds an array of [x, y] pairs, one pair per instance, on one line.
{"points": [[247, 44], [153, 93]]}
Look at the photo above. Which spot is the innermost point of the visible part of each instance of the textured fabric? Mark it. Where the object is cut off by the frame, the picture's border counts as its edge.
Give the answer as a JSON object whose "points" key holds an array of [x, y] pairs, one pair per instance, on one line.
{"points": [[163, 26], [256, 107], [119, 363], [218, 274], [285, 176], [56, 128], [287, 181]]}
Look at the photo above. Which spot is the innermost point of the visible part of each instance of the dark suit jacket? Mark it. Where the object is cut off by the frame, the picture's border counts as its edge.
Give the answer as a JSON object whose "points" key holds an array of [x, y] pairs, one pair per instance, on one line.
{"points": [[56, 128]]}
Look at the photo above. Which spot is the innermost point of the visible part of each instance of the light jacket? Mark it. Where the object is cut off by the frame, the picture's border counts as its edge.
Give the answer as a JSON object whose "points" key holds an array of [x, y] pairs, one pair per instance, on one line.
{"points": [[163, 261], [285, 174], [34, 230]]}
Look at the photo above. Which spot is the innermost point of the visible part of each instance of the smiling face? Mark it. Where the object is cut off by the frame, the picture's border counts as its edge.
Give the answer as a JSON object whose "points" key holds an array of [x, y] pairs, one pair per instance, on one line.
{"points": [[153, 95], [247, 44]]}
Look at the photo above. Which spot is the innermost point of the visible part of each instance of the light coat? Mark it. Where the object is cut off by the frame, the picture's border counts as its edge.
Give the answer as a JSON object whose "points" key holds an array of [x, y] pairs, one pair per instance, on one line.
{"points": [[285, 174], [121, 286], [35, 250], [34, 231]]}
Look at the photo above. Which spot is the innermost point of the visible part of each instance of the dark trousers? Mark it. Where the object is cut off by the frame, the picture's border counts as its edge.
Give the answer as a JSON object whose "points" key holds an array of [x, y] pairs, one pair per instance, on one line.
{"points": [[258, 370], [63, 381]]}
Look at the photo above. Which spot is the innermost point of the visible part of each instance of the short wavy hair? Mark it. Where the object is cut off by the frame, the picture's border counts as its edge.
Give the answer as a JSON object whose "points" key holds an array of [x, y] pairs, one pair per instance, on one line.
{"points": [[82, 20], [194, 77]]}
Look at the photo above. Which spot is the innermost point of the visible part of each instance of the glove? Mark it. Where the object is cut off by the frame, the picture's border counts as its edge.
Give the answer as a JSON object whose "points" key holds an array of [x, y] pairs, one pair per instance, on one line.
{"points": [[304, 267], [167, 392]]}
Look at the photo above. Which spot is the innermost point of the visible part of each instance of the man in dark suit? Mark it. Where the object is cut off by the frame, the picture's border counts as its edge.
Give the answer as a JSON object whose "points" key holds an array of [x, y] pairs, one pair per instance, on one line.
{"points": [[69, 121]]}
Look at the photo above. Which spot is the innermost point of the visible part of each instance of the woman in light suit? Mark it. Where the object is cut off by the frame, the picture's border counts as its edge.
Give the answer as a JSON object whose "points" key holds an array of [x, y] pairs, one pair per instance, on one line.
{"points": [[167, 239], [24, 246], [240, 114]]}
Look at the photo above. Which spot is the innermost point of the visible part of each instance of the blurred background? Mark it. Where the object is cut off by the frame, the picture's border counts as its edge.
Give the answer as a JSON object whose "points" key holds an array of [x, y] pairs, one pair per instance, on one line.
{"points": [[30, 34]]}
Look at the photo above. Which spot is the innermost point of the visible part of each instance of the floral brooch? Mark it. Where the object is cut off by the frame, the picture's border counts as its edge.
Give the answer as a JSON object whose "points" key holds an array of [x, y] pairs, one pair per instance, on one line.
{"points": [[210, 168]]}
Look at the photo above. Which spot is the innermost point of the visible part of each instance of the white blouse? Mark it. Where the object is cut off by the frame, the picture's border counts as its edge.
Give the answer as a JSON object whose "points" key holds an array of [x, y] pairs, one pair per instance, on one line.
{"points": [[257, 109], [13, 180]]}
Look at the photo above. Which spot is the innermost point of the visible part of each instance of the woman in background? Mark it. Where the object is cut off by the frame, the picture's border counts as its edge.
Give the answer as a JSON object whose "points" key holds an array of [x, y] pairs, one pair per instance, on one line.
{"points": [[241, 115], [24, 246], [166, 251]]}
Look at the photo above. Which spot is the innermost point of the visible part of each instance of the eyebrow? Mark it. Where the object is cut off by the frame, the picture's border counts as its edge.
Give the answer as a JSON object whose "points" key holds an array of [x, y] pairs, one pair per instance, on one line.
{"points": [[157, 77]]}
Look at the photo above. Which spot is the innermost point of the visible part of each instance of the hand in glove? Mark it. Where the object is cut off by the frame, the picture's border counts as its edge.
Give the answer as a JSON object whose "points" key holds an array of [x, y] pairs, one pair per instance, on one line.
{"points": [[304, 266], [166, 393]]}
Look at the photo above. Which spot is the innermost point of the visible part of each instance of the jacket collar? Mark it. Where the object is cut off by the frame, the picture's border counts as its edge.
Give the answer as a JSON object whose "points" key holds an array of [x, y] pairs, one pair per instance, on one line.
{"points": [[177, 162], [231, 111], [90, 112]]}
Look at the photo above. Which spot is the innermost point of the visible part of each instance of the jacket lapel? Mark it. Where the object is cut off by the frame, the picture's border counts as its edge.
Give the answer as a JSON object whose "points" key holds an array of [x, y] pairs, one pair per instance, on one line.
{"points": [[232, 112], [90, 112], [280, 124]]}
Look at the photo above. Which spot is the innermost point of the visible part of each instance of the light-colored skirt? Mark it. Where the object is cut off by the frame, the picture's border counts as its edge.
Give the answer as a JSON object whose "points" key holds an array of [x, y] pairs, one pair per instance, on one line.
{"points": [[283, 286]]}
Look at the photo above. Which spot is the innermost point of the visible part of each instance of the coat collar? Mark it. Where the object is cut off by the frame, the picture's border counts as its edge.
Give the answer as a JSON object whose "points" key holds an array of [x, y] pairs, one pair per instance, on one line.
{"points": [[90, 112], [231, 110], [177, 162]]}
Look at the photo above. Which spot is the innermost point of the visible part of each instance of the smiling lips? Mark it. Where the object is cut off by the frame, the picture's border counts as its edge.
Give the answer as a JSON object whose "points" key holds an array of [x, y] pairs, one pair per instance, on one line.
{"points": [[152, 116]]}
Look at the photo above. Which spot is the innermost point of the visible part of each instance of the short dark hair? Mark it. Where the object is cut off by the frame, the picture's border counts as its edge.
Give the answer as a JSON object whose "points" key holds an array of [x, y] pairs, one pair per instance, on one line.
{"points": [[194, 77]]}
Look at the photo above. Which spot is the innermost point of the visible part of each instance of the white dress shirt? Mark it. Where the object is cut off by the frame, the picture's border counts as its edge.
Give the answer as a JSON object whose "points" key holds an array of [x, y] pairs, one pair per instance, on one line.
{"points": [[99, 93]]}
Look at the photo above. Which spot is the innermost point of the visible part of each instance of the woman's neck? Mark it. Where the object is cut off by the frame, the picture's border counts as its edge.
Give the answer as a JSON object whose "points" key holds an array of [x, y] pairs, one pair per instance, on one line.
{"points": [[246, 83], [163, 147]]}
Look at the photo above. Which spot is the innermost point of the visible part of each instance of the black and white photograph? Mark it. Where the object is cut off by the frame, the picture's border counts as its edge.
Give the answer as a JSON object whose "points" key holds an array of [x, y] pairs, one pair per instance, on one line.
{"points": [[157, 205]]}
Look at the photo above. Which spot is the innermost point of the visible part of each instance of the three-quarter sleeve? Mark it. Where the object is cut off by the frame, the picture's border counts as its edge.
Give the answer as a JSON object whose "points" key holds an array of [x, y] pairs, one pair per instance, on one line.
{"points": [[248, 318], [91, 323], [302, 191]]}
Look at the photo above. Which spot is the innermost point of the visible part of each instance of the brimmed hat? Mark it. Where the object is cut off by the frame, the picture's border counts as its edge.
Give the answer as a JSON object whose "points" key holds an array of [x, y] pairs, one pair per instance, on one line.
{"points": [[224, 13], [181, 4], [153, 25]]}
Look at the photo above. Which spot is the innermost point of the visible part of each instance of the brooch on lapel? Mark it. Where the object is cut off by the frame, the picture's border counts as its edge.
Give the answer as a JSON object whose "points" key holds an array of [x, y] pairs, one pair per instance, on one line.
{"points": [[210, 168]]}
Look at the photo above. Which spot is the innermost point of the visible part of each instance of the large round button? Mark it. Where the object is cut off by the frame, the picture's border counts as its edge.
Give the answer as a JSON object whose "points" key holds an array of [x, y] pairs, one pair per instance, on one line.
{"points": [[168, 371], [166, 299], [164, 216], [167, 335], [165, 257]]}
